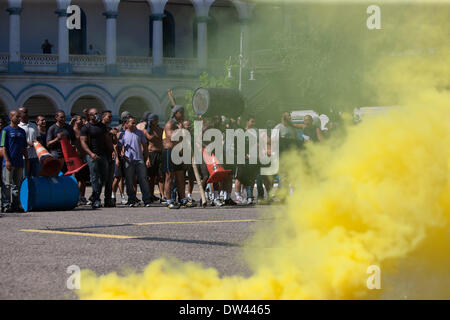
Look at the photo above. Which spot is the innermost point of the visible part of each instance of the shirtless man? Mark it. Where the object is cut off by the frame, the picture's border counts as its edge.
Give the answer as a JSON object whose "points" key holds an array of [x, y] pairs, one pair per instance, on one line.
{"points": [[173, 171], [153, 132]]}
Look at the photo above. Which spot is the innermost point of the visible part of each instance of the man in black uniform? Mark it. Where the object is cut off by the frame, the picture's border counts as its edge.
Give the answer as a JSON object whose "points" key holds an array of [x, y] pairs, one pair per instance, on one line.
{"points": [[96, 143], [112, 136], [245, 173]]}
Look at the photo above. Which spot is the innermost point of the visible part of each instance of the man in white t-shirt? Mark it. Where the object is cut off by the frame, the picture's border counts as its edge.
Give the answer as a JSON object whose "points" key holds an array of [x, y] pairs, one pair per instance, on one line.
{"points": [[288, 133], [32, 133]]}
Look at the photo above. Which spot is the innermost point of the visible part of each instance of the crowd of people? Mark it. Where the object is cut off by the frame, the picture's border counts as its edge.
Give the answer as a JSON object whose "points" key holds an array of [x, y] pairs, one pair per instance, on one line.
{"points": [[137, 152]]}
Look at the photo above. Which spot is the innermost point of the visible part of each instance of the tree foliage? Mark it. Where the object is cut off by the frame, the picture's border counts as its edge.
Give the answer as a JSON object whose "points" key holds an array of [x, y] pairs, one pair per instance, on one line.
{"points": [[207, 81], [320, 51]]}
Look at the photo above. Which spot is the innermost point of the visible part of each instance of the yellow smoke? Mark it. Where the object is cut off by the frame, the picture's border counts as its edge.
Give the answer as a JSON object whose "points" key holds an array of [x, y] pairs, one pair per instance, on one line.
{"points": [[379, 197]]}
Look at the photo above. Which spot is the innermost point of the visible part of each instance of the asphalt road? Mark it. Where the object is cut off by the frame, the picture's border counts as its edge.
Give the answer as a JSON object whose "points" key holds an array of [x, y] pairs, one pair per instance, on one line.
{"points": [[37, 248]]}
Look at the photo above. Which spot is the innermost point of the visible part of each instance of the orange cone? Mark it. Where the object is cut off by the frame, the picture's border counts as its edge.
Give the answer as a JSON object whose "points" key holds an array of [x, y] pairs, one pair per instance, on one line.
{"points": [[216, 171], [73, 162], [50, 167]]}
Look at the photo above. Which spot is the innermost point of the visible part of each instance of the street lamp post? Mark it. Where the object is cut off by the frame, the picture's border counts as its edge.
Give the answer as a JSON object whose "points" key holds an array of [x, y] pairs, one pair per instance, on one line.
{"points": [[241, 60], [242, 64]]}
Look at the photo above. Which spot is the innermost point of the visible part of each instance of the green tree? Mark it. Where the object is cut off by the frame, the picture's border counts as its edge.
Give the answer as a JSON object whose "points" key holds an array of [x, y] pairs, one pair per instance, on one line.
{"points": [[319, 54], [207, 81]]}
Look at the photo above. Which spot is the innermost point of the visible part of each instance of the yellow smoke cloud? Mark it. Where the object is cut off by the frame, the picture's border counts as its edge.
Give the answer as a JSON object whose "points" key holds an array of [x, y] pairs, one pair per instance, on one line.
{"points": [[381, 196]]}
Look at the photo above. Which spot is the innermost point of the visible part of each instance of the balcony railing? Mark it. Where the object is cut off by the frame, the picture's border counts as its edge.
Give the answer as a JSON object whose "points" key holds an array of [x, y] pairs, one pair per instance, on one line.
{"points": [[95, 64], [4, 59], [87, 64]]}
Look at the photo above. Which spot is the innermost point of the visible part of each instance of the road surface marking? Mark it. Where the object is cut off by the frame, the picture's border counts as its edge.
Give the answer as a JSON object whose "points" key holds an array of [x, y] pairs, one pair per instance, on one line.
{"points": [[112, 236], [190, 222], [85, 234]]}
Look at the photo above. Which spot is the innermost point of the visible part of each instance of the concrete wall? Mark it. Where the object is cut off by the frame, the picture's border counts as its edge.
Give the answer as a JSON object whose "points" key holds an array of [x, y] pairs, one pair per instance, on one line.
{"points": [[133, 29], [112, 92], [39, 22]]}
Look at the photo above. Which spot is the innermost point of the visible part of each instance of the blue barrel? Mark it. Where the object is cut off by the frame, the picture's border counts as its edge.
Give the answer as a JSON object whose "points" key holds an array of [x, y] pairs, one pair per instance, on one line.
{"points": [[49, 194]]}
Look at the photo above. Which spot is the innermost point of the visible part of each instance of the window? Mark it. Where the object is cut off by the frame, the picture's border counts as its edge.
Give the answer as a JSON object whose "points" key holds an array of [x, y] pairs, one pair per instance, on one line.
{"points": [[77, 38]]}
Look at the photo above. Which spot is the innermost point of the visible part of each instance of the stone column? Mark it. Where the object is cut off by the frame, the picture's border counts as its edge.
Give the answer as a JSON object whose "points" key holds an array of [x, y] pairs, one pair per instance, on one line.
{"points": [[111, 42], [157, 8], [244, 12], [111, 14], [157, 44], [202, 42], [201, 12], [14, 8], [64, 65]]}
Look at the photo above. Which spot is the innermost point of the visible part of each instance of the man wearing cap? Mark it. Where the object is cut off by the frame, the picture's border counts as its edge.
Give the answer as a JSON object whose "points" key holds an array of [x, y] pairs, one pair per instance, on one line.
{"points": [[153, 132], [125, 115], [173, 171], [143, 123]]}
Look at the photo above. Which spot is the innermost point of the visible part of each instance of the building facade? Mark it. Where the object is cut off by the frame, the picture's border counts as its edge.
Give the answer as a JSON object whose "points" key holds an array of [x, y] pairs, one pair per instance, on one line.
{"points": [[125, 56]]}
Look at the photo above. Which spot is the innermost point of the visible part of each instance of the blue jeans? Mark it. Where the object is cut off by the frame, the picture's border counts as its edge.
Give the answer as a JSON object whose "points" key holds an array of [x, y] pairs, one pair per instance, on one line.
{"points": [[249, 190], [174, 190], [260, 186], [100, 172], [35, 167], [109, 181], [132, 169], [3, 192]]}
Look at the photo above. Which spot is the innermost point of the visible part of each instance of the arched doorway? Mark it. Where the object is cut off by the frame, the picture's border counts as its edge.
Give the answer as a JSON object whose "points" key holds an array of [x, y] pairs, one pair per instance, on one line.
{"points": [[86, 102], [136, 106], [168, 35], [40, 105]]}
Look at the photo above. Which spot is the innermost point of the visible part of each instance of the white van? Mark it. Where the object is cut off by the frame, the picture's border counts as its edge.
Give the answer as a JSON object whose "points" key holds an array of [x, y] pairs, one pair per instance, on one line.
{"points": [[367, 112]]}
